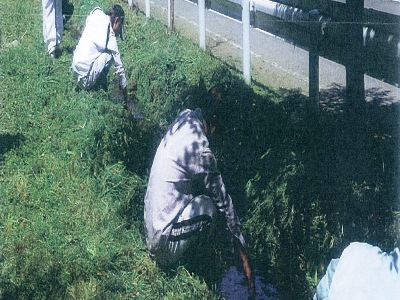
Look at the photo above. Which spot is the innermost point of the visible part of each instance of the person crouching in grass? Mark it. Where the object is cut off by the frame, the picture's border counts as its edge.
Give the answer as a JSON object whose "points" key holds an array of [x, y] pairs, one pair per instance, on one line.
{"points": [[98, 49]]}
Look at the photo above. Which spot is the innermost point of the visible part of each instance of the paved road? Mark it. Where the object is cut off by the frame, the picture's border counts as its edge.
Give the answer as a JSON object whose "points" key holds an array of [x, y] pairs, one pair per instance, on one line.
{"points": [[388, 6], [275, 62]]}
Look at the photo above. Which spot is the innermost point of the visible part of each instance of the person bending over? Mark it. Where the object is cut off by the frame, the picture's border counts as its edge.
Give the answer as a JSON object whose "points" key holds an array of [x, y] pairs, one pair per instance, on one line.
{"points": [[186, 195], [98, 49]]}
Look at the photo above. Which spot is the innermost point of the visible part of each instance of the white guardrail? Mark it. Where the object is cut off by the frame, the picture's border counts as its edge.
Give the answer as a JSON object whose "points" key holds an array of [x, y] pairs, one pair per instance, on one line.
{"points": [[388, 41]]}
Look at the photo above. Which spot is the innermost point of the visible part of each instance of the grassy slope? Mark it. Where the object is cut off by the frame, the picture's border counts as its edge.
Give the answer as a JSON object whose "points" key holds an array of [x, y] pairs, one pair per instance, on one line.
{"points": [[65, 229], [73, 169]]}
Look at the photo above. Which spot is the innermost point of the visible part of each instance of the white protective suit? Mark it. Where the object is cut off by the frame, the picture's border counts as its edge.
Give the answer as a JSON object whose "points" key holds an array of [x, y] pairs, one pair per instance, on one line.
{"points": [[96, 49]]}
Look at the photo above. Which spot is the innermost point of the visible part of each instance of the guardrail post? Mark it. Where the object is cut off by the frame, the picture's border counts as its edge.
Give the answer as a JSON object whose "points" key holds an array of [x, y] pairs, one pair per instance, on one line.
{"points": [[355, 86], [147, 2], [202, 24], [171, 14], [246, 41], [313, 58]]}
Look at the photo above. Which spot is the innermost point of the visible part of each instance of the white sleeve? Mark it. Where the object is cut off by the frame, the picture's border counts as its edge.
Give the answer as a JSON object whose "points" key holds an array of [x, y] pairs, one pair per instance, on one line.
{"points": [[112, 46]]}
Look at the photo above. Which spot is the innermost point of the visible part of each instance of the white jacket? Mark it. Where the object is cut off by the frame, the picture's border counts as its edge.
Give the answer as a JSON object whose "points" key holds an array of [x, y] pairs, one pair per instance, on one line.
{"points": [[183, 168], [97, 38], [363, 272]]}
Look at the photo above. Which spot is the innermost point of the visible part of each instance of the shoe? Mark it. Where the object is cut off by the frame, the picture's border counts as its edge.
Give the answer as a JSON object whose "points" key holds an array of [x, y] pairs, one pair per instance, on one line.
{"points": [[56, 53]]}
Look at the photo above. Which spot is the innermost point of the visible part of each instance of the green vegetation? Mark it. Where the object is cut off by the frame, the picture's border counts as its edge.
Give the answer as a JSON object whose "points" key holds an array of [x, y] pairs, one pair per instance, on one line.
{"points": [[73, 167]]}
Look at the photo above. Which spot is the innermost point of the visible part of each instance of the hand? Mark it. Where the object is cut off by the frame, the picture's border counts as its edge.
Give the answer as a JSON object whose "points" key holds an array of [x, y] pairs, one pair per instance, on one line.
{"points": [[248, 271]]}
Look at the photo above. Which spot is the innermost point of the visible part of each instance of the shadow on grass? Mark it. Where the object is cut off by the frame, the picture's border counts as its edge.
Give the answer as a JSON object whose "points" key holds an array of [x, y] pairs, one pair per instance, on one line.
{"points": [[304, 183], [8, 142]]}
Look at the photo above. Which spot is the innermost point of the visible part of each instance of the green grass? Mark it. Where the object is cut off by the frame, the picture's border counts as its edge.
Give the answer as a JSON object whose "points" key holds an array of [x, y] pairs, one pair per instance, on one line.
{"points": [[70, 209], [74, 169]]}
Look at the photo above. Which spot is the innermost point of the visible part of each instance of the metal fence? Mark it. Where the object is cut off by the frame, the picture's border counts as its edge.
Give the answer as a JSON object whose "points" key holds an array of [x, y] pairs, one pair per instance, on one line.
{"points": [[330, 32]]}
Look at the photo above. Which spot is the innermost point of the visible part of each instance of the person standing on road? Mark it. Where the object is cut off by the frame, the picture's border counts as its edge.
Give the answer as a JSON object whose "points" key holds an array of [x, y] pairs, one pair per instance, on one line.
{"points": [[186, 196], [53, 26], [98, 49]]}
